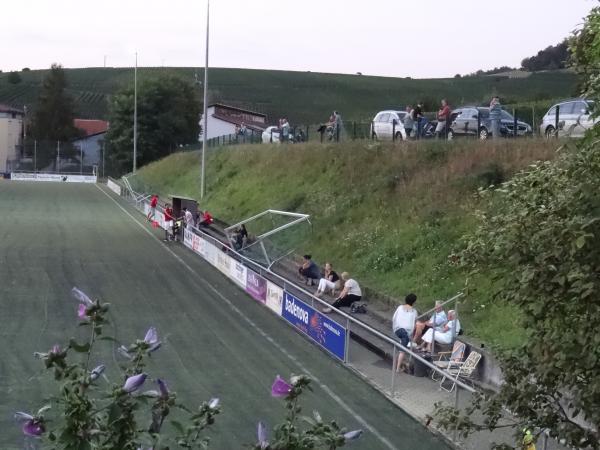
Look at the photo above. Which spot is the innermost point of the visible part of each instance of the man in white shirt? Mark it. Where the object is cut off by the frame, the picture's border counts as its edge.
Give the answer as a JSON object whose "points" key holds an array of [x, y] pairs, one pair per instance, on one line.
{"points": [[188, 218], [403, 324]]}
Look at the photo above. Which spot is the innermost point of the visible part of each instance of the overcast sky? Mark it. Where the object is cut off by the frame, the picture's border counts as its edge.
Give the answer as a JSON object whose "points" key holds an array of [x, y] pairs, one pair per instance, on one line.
{"points": [[418, 38]]}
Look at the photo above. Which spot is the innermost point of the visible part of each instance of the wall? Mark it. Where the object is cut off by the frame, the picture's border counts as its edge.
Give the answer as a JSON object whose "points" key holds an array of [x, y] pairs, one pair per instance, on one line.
{"points": [[10, 138], [92, 149], [216, 127]]}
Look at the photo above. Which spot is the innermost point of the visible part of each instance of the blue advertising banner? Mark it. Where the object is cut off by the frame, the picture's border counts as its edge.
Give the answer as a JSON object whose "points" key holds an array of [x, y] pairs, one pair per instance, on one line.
{"points": [[321, 329]]}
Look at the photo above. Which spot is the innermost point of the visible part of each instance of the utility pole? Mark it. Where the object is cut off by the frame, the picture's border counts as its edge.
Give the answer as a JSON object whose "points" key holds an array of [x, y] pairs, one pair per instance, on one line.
{"points": [[205, 127], [135, 116]]}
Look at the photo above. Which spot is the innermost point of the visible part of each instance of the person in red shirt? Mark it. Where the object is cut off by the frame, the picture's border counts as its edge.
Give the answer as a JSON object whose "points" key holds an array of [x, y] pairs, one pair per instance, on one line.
{"points": [[168, 213], [443, 117], [153, 203], [207, 219]]}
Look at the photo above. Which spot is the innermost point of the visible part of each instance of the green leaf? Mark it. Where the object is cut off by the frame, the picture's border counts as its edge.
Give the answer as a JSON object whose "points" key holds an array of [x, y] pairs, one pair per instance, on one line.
{"points": [[580, 242]]}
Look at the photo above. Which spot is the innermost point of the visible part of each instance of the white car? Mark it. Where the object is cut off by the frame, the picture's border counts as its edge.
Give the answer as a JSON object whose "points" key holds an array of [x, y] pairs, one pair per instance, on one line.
{"points": [[386, 123], [574, 118], [271, 135]]}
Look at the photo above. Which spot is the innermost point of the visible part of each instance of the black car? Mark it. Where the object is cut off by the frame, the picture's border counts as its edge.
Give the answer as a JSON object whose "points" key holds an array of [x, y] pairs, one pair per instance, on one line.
{"points": [[464, 121]]}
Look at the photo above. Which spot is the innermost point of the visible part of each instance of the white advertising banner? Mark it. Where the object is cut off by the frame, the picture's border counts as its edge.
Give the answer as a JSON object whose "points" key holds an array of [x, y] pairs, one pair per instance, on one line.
{"points": [[238, 274], [56, 177], [115, 188], [274, 298], [210, 253], [224, 263]]}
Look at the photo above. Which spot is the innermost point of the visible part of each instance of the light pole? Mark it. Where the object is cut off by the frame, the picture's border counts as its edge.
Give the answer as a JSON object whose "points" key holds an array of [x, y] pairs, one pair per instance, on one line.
{"points": [[135, 115], [205, 127]]}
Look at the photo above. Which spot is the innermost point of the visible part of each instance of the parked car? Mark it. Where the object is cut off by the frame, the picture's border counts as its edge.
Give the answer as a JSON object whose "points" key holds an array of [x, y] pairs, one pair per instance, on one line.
{"points": [[382, 126], [271, 135], [463, 122], [574, 118]]}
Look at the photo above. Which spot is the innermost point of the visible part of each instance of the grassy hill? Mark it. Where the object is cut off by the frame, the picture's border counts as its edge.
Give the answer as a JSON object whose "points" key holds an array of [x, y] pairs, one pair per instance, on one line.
{"points": [[391, 215], [304, 97]]}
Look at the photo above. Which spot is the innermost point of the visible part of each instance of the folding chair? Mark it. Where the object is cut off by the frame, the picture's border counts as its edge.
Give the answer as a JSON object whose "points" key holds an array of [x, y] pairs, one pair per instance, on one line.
{"points": [[449, 359], [463, 371]]}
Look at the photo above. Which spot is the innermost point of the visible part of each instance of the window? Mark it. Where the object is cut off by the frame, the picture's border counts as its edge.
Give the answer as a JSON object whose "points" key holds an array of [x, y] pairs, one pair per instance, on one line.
{"points": [[566, 108], [384, 117], [552, 112], [507, 116], [580, 108], [484, 113]]}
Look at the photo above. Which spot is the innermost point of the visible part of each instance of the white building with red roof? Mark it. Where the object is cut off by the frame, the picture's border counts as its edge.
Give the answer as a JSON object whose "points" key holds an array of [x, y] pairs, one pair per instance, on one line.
{"points": [[92, 140], [224, 120], [11, 137]]}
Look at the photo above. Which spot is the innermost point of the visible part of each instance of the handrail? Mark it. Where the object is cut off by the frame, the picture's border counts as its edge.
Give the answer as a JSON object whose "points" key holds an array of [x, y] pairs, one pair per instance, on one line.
{"points": [[460, 294], [348, 317]]}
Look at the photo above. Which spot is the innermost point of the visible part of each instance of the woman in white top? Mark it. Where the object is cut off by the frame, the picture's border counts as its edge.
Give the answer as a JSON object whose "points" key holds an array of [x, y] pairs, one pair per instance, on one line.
{"points": [[350, 294], [445, 334]]}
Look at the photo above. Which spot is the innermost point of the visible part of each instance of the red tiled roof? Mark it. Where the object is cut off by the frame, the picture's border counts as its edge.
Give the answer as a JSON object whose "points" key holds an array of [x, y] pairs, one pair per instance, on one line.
{"points": [[91, 127], [10, 109]]}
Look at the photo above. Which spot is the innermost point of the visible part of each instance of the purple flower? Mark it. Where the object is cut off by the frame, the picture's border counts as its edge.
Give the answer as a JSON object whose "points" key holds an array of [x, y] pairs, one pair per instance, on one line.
{"points": [[81, 297], [162, 386], [33, 428], [262, 435], [96, 372], [151, 337], [81, 312], [352, 435], [134, 382], [214, 403], [280, 387]]}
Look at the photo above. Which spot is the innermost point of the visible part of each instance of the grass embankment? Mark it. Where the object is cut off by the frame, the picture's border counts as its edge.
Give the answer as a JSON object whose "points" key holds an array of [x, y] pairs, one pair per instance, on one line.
{"points": [[304, 97], [391, 215]]}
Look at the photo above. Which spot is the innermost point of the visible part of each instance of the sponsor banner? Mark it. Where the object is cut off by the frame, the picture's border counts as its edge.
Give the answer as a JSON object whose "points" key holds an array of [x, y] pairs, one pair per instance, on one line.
{"points": [[115, 188], [324, 331], [274, 298], [224, 263], [188, 239], [209, 252], [238, 274], [256, 286], [57, 177]]}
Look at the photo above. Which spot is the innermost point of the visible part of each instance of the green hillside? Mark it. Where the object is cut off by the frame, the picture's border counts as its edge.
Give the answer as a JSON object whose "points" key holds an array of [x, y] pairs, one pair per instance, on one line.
{"points": [[391, 215], [304, 97]]}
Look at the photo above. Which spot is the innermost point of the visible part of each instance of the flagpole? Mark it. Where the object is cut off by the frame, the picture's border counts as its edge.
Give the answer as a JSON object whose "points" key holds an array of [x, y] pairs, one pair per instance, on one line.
{"points": [[135, 116], [204, 126]]}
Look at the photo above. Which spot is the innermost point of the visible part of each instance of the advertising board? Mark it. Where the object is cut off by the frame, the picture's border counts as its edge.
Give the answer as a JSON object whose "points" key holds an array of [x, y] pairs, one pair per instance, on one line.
{"points": [[256, 286], [320, 328]]}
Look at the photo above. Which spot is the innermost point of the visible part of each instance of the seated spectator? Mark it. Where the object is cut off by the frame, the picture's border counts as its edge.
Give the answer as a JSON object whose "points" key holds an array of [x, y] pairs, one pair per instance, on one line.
{"points": [[207, 219], [422, 326], [350, 293], [329, 281], [236, 240], [309, 271], [244, 234], [444, 334], [403, 324]]}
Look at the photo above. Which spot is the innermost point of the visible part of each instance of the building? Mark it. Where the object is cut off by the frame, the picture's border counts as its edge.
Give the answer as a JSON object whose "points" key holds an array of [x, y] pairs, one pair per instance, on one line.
{"points": [[224, 120], [90, 144], [11, 137]]}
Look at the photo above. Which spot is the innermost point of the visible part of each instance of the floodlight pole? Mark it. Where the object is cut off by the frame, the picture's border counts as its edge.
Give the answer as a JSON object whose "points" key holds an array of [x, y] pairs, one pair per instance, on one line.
{"points": [[135, 115], [205, 124]]}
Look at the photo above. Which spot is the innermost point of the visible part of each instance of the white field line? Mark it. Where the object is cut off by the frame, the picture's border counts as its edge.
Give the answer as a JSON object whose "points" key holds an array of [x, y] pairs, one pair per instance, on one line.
{"points": [[292, 358]]}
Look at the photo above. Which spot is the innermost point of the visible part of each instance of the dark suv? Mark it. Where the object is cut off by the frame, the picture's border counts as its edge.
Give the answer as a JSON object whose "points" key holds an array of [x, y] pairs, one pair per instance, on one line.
{"points": [[463, 122]]}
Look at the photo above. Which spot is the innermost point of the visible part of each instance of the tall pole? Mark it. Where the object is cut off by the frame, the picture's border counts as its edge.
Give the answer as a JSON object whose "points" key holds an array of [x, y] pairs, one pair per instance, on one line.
{"points": [[135, 115], [204, 126]]}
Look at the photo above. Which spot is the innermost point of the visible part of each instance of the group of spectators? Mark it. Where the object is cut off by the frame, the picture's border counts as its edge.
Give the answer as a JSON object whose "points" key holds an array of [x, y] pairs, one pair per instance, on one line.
{"points": [[172, 223], [330, 281], [415, 121], [413, 331]]}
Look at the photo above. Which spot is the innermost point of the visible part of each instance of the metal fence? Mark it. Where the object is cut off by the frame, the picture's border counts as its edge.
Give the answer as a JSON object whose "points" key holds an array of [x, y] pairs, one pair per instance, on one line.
{"points": [[378, 366]]}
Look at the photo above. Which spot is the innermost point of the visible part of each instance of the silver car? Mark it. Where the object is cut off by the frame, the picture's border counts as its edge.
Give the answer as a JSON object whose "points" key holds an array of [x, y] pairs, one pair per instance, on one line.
{"points": [[574, 118], [386, 123]]}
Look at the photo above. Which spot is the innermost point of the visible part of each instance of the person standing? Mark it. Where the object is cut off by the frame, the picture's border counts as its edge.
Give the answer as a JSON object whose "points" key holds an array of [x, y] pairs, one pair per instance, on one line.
{"points": [[418, 117], [153, 203], [495, 116], [168, 222], [409, 120], [188, 218], [285, 130], [443, 116], [403, 324]]}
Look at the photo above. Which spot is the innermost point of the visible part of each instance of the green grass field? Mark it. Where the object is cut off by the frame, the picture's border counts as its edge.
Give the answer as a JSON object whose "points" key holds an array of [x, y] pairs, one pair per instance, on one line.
{"points": [[56, 236], [391, 215], [304, 97]]}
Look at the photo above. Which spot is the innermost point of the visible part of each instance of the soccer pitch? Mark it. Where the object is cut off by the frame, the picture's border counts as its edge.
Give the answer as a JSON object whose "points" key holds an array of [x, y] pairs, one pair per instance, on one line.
{"points": [[220, 343]]}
